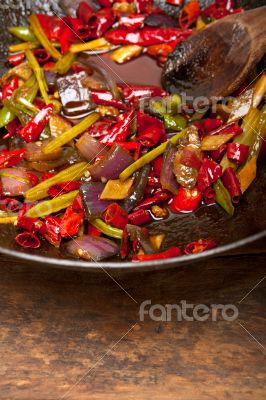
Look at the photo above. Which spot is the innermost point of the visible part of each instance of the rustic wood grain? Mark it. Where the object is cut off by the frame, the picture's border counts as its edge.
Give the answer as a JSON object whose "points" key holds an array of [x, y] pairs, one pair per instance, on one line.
{"points": [[57, 326]]}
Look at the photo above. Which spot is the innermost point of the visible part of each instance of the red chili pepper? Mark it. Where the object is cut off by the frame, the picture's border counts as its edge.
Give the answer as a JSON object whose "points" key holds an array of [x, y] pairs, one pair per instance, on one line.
{"points": [[84, 12], [140, 217], [62, 188], [101, 128], [160, 50], [229, 128], [42, 56], [140, 91], [33, 178], [70, 223], [9, 88], [210, 124], [157, 198], [116, 216], [92, 231], [121, 130], [189, 14], [16, 59], [209, 172], [10, 158], [146, 6], [106, 3], [178, 3], [106, 98], [170, 253], [52, 234], [39, 103], [10, 205], [49, 66], [220, 9], [125, 244], [232, 184], [77, 205], [150, 129], [200, 246], [146, 36], [154, 182], [186, 200], [132, 21], [47, 175], [157, 166], [190, 159], [209, 196], [217, 155], [96, 25], [32, 130], [33, 225], [237, 152], [134, 146], [28, 240], [51, 25], [12, 128]]}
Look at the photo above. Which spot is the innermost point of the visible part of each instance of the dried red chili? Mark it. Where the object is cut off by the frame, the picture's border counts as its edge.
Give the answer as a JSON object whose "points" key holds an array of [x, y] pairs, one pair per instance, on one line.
{"points": [[131, 21], [232, 184], [62, 188], [157, 198], [121, 130], [10, 158], [9, 88], [170, 253], [217, 155], [186, 200], [140, 217], [200, 246], [237, 152], [150, 129], [32, 130], [131, 92], [12, 128], [106, 98], [92, 231], [210, 124], [189, 14], [209, 196], [53, 230], [33, 178], [28, 240], [116, 216], [16, 59], [70, 223], [209, 172], [147, 36]]}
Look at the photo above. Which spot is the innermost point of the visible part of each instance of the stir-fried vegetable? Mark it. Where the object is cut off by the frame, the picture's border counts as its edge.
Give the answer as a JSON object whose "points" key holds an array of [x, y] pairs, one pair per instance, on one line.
{"points": [[85, 159]]}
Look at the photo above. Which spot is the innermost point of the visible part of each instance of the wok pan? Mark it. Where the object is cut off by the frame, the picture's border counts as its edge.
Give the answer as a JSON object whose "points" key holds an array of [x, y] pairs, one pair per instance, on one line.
{"points": [[247, 225]]}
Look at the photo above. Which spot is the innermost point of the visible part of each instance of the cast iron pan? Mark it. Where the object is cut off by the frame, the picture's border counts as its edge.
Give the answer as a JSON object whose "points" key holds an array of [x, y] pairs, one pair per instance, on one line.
{"points": [[248, 224]]}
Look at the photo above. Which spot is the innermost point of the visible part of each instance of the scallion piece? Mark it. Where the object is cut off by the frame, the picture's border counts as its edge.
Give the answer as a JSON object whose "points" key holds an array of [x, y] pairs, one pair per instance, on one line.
{"points": [[38, 71], [71, 133], [41, 36], [51, 206], [149, 157], [92, 45]]}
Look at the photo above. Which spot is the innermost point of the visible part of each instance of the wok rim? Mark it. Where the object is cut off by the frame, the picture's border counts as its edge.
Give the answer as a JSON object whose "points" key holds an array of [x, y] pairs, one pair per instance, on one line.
{"points": [[76, 264]]}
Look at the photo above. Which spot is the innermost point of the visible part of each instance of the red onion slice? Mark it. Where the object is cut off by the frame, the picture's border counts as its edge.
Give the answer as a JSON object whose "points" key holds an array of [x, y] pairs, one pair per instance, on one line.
{"points": [[110, 167], [90, 148], [11, 184], [167, 177], [92, 248], [90, 193]]}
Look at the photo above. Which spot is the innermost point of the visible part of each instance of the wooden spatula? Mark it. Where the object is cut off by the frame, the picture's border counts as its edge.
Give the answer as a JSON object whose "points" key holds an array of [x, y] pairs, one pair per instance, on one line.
{"points": [[215, 61]]}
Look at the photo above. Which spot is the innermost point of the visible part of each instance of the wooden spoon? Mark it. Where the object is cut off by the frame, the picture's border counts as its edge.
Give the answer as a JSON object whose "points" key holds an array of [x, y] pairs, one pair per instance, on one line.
{"points": [[215, 61]]}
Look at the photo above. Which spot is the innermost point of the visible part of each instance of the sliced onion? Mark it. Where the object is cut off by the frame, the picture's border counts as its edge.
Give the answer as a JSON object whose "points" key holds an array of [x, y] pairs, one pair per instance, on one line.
{"points": [[92, 248], [167, 177], [68, 156], [89, 147], [11, 184], [34, 152], [90, 193], [110, 167]]}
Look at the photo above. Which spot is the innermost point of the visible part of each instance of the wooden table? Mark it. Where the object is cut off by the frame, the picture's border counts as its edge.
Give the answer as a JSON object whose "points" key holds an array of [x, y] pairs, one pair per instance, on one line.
{"points": [[73, 335]]}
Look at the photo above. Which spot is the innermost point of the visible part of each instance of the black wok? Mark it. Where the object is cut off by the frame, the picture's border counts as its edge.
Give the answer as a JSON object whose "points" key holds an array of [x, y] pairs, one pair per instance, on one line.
{"points": [[248, 224]]}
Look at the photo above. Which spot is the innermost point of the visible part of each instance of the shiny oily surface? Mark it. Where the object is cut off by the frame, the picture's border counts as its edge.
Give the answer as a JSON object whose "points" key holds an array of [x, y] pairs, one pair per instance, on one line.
{"points": [[247, 225]]}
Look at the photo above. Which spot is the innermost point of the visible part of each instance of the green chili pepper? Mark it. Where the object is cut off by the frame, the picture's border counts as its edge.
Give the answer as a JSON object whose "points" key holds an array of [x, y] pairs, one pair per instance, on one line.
{"points": [[223, 197], [174, 122], [107, 229], [23, 33], [166, 105]]}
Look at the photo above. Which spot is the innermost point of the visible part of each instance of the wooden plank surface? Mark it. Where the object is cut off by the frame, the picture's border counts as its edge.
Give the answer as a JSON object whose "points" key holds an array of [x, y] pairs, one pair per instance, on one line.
{"points": [[72, 335]]}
